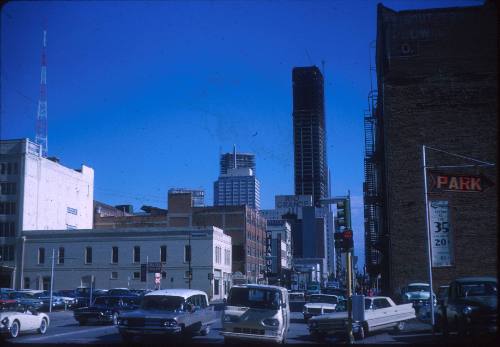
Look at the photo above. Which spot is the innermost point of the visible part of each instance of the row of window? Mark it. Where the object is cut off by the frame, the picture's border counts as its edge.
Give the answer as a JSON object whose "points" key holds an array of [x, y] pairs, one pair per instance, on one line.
{"points": [[8, 168], [136, 256], [218, 256], [7, 252], [7, 229], [254, 252], [7, 207], [8, 188]]}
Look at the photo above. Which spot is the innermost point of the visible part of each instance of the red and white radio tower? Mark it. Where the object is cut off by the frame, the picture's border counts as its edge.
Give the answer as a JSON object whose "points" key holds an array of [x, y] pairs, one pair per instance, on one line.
{"points": [[41, 119]]}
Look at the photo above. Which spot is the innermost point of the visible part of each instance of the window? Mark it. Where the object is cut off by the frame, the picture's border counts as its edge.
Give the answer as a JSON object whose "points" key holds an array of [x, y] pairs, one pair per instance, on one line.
{"points": [[72, 210], [60, 258], [137, 254], [114, 275], [26, 283], [217, 255], [7, 188], [7, 252], [163, 254], [7, 229], [88, 255], [187, 253], [2, 168], [7, 207], [136, 275], [114, 255], [163, 275], [41, 255], [70, 227]]}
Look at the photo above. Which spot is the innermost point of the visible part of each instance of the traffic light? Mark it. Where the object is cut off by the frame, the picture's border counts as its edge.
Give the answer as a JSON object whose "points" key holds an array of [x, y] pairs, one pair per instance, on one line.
{"points": [[338, 240], [347, 242], [343, 218], [210, 276]]}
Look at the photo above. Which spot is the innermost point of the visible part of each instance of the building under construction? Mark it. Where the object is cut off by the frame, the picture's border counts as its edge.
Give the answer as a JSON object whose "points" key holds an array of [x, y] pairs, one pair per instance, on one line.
{"points": [[437, 85]]}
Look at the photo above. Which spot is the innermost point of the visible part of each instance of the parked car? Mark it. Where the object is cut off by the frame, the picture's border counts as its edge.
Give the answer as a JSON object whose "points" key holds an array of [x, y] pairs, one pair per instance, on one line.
{"points": [[6, 300], [470, 306], [417, 294], [44, 295], [296, 296], [69, 299], [26, 299], [319, 304], [120, 291], [256, 313], [106, 309], [380, 312], [181, 312], [83, 295], [424, 313], [22, 319]]}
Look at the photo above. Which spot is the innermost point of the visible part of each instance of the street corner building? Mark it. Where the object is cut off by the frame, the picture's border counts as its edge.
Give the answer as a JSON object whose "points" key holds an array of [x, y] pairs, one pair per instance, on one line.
{"points": [[437, 86], [195, 257]]}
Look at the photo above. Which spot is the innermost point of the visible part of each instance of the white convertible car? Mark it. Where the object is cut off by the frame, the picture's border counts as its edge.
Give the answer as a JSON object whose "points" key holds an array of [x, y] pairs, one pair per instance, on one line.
{"points": [[16, 320]]}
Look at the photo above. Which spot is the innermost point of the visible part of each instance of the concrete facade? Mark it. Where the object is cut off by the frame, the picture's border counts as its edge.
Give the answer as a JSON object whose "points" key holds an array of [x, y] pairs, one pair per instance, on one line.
{"points": [[38, 193], [210, 249], [437, 86]]}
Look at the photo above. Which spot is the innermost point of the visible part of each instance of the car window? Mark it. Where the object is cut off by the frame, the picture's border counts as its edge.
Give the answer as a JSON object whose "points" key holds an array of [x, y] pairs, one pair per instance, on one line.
{"points": [[368, 304], [477, 289], [162, 302], [203, 301], [380, 303]]}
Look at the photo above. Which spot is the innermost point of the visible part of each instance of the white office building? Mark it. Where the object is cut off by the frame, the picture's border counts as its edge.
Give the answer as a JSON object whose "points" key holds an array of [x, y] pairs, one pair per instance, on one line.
{"points": [[238, 187], [38, 193], [112, 258]]}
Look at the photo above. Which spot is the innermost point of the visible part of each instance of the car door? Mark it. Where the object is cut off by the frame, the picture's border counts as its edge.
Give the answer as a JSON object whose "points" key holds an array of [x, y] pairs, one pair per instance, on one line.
{"points": [[379, 313], [192, 317]]}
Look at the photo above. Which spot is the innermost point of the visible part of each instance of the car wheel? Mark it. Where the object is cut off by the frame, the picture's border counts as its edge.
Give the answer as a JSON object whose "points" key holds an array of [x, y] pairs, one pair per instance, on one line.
{"points": [[360, 335], [320, 337], [400, 326], [115, 318], [43, 326], [14, 329], [205, 331], [228, 341], [461, 327]]}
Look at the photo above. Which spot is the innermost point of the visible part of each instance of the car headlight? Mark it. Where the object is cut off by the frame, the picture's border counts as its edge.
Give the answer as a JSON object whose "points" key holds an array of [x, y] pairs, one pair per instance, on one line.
{"points": [[271, 322], [5, 321], [170, 323], [467, 310]]}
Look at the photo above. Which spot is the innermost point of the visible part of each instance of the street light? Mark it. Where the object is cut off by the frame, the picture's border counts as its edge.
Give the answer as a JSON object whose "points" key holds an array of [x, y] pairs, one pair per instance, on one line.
{"points": [[52, 280]]}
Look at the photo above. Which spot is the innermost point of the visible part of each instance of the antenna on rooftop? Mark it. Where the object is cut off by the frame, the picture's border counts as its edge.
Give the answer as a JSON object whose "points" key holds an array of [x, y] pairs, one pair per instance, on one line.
{"points": [[41, 118]]}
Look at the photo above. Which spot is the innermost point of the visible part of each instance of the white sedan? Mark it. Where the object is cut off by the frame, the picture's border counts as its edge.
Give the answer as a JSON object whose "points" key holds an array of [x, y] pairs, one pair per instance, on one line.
{"points": [[16, 320], [319, 304]]}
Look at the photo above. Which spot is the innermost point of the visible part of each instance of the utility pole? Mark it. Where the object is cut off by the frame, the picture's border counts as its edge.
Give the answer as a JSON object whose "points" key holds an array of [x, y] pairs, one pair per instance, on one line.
{"points": [[190, 275], [51, 281]]}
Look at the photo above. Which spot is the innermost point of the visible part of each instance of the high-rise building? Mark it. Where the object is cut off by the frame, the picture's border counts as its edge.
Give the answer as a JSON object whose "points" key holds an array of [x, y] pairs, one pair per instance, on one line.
{"points": [[237, 187], [309, 133], [240, 160]]}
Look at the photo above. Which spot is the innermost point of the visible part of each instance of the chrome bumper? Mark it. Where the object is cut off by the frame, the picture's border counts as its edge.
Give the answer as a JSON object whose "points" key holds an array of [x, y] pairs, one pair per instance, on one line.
{"points": [[251, 337]]}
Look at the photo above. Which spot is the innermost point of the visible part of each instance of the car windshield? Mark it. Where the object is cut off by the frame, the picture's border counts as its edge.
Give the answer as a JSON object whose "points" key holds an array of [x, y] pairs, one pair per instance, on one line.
{"points": [[418, 288], [254, 298], [103, 301], [162, 302], [477, 289], [324, 299], [341, 306]]}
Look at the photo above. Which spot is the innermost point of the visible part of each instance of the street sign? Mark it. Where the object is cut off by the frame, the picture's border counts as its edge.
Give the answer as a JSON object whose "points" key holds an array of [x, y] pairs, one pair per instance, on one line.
{"points": [[154, 267], [448, 182]]}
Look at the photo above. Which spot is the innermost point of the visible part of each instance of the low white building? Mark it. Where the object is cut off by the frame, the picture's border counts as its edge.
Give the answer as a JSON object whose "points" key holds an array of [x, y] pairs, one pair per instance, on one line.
{"points": [[113, 258], [38, 193]]}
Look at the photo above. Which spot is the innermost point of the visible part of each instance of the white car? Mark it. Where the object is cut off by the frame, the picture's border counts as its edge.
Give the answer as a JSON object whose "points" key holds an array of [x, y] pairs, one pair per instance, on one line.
{"points": [[319, 304], [21, 319]]}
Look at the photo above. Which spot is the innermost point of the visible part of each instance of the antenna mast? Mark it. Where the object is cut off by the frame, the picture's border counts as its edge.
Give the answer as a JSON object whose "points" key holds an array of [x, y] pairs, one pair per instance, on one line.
{"points": [[41, 118]]}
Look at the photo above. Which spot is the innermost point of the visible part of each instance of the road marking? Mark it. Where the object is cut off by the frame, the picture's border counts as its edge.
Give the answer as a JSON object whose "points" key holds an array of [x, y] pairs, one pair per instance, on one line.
{"points": [[64, 334]]}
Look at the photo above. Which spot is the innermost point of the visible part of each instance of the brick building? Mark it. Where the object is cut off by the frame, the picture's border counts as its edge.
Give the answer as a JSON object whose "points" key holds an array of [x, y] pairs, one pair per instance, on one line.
{"points": [[437, 84], [244, 224]]}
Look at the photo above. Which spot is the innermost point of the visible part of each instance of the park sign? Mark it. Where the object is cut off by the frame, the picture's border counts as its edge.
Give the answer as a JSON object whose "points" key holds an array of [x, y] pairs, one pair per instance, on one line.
{"points": [[448, 182]]}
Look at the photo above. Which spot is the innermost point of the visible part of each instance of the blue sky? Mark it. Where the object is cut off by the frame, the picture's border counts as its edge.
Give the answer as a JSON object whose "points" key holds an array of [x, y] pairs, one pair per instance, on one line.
{"points": [[150, 93]]}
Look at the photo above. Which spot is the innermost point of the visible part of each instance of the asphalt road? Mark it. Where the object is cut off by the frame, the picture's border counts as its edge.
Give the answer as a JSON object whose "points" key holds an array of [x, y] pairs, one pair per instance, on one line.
{"points": [[65, 330]]}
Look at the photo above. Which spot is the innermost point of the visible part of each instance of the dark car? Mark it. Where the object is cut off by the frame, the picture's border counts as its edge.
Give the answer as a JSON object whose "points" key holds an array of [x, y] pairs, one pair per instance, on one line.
{"points": [[120, 291], [6, 300], [82, 295], [470, 306], [106, 309], [27, 299], [181, 312]]}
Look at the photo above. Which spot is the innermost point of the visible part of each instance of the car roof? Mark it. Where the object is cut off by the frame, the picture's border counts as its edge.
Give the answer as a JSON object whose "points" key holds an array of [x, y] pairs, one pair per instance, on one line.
{"points": [[117, 296], [260, 286], [324, 295], [418, 284], [476, 279], [185, 293]]}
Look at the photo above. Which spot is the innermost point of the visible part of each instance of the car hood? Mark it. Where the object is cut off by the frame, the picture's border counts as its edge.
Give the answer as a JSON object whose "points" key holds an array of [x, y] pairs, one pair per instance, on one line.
{"points": [[319, 305], [151, 314], [246, 314]]}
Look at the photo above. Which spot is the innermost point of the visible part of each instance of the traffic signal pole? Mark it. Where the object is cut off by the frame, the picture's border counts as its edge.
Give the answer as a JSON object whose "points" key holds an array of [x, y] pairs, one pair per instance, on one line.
{"points": [[350, 336]]}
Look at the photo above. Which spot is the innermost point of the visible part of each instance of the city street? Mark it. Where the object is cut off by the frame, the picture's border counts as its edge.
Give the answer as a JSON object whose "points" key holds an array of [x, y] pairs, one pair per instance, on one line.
{"points": [[65, 330]]}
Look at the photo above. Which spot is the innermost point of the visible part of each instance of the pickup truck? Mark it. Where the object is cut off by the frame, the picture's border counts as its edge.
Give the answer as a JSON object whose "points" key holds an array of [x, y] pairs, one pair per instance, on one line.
{"points": [[379, 312]]}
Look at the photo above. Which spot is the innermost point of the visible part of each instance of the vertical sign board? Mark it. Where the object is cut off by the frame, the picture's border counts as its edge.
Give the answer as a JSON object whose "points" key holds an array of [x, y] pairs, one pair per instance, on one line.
{"points": [[278, 255], [269, 254], [441, 238]]}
